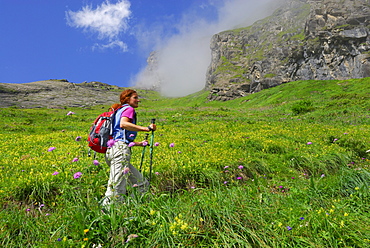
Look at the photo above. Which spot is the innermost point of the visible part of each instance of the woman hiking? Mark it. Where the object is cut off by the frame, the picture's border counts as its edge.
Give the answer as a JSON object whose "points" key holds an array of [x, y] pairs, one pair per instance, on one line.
{"points": [[118, 155]]}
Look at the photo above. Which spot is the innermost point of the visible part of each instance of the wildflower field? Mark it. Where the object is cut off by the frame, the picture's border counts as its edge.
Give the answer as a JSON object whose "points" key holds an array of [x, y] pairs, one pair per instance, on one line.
{"points": [[285, 167]]}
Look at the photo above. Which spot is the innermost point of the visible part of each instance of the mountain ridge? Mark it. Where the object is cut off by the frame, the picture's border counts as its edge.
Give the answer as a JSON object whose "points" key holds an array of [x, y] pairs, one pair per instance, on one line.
{"points": [[57, 93], [302, 40]]}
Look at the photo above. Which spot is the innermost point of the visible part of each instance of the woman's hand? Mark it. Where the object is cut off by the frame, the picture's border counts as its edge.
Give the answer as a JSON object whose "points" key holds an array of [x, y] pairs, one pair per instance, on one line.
{"points": [[152, 127]]}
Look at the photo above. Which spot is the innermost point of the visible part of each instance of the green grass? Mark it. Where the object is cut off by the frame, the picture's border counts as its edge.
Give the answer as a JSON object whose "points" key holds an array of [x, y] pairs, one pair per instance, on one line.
{"points": [[285, 167]]}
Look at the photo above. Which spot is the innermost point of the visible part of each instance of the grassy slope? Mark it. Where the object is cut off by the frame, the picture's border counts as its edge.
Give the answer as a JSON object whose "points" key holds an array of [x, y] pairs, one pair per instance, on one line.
{"points": [[302, 147]]}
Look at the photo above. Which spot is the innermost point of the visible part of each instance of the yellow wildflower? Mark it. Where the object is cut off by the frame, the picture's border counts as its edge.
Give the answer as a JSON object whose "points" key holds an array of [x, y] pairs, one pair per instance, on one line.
{"points": [[184, 226]]}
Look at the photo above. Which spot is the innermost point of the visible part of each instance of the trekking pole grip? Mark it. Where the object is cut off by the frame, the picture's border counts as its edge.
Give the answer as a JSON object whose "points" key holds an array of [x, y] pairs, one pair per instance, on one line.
{"points": [[152, 121]]}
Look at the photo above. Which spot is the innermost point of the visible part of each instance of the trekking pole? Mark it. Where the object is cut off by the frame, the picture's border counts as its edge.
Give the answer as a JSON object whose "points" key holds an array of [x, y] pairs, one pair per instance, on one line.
{"points": [[151, 152], [143, 152]]}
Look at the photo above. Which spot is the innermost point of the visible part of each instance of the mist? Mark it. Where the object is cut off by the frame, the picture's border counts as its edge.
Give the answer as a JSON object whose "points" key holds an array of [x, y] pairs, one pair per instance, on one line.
{"points": [[182, 59]]}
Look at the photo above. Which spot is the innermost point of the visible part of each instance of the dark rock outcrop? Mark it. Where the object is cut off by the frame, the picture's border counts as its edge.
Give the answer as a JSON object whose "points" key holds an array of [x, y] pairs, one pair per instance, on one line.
{"points": [[55, 93], [302, 40]]}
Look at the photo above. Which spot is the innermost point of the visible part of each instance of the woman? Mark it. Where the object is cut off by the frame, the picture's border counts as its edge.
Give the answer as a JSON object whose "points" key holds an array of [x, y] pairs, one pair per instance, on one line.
{"points": [[119, 154]]}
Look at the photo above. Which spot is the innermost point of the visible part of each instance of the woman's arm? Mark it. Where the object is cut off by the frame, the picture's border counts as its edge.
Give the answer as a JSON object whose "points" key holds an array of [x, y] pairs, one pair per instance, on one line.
{"points": [[126, 124]]}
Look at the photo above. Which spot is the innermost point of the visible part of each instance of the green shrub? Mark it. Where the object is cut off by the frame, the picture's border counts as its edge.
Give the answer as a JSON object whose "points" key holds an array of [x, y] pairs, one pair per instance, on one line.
{"points": [[302, 107]]}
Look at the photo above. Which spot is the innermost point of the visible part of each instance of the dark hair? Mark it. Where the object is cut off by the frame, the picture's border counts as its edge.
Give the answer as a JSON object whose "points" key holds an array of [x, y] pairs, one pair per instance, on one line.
{"points": [[126, 95]]}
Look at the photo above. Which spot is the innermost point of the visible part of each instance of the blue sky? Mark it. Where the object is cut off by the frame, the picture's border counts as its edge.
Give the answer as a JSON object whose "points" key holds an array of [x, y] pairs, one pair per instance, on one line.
{"points": [[109, 41]]}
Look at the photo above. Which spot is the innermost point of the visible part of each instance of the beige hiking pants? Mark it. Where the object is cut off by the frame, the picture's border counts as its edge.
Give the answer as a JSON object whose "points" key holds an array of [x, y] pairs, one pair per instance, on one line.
{"points": [[121, 170]]}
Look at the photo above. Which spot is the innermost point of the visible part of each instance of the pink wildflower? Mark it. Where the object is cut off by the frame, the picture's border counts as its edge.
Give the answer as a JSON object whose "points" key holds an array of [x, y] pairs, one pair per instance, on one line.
{"points": [[131, 144], [126, 170], [77, 175], [110, 143], [51, 149], [131, 236]]}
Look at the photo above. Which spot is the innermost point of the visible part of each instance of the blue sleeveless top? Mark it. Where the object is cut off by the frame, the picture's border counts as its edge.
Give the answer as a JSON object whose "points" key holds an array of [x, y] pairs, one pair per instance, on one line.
{"points": [[120, 134]]}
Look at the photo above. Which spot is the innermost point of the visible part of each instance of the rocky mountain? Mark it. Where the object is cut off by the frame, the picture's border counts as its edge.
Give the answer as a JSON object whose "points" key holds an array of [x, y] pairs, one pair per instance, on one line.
{"points": [[150, 73], [302, 40], [57, 94]]}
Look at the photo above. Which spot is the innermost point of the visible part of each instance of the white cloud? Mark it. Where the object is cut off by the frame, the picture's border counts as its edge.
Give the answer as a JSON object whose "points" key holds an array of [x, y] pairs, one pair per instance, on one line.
{"points": [[183, 58], [116, 43], [107, 20]]}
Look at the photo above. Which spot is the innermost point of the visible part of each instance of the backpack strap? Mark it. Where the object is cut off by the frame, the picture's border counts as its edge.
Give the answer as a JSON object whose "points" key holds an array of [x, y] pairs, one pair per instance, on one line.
{"points": [[114, 115]]}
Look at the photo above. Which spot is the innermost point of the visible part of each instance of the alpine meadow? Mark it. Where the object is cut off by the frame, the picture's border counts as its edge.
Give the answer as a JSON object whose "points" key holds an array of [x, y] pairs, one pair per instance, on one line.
{"points": [[288, 166]]}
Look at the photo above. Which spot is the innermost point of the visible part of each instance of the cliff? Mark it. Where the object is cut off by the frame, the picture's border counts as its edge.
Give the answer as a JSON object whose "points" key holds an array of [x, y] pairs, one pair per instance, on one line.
{"points": [[304, 39]]}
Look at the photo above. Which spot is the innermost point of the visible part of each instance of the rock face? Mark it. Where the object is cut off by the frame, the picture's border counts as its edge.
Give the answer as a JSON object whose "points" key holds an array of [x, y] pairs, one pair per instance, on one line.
{"points": [[150, 74], [57, 94], [302, 40]]}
